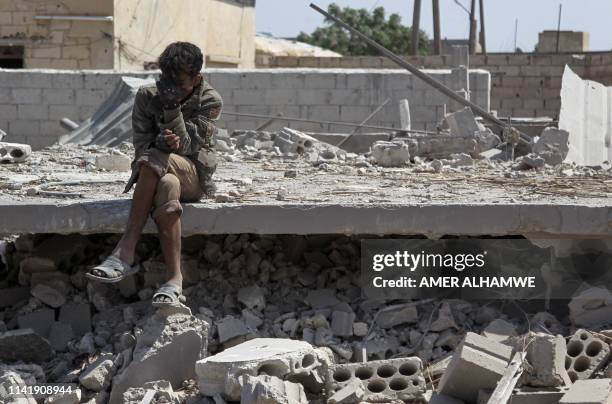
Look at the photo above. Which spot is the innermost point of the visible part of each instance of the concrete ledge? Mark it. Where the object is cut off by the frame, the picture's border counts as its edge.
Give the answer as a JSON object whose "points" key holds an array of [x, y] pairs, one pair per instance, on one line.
{"points": [[283, 218]]}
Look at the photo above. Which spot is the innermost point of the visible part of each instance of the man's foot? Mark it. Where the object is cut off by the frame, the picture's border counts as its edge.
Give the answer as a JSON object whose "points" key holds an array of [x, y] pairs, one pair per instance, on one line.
{"points": [[112, 270], [168, 294]]}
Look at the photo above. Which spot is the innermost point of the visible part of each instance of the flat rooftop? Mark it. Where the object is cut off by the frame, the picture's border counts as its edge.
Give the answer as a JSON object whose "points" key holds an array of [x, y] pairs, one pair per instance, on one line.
{"points": [[336, 199]]}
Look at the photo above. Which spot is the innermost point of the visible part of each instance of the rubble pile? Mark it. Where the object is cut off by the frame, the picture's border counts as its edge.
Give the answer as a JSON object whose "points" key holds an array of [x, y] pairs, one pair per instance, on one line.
{"points": [[277, 319]]}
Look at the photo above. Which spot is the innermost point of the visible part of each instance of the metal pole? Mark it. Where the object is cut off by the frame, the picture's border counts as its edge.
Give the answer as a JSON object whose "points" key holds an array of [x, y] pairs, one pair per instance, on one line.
{"points": [[515, 34], [416, 27], [436, 26], [483, 35], [559, 29], [418, 73], [473, 28]]}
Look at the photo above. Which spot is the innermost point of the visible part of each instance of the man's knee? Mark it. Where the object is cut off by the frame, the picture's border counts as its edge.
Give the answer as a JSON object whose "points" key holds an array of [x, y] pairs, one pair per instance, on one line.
{"points": [[167, 197]]}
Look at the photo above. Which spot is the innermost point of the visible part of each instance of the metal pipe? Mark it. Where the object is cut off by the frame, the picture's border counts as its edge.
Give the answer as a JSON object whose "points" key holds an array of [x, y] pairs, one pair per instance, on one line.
{"points": [[347, 124], [473, 28], [559, 29], [108, 18], [436, 24], [418, 73], [483, 34], [416, 27], [376, 111]]}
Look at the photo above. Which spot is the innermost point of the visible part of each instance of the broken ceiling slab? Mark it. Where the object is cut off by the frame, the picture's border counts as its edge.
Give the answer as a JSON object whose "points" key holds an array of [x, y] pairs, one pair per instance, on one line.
{"points": [[586, 113]]}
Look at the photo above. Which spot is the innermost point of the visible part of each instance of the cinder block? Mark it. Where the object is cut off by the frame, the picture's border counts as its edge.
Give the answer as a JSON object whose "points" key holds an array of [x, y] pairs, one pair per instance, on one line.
{"points": [[33, 112], [353, 113], [314, 97], [78, 316], [527, 395], [324, 112], [586, 354], [72, 81], [27, 95], [247, 97], [90, 97], [57, 112], [8, 110], [253, 80], [23, 128], [342, 323], [398, 378], [97, 81], [40, 321], [288, 79], [63, 96], [321, 80], [596, 391], [478, 363], [285, 96]]}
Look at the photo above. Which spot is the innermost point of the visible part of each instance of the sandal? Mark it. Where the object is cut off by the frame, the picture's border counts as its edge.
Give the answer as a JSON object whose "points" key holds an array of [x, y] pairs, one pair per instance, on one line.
{"points": [[172, 291], [115, 270]]}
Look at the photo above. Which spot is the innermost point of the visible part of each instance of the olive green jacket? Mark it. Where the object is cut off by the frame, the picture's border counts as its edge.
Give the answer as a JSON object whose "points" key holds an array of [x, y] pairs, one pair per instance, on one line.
{"points": [[193, 122]]}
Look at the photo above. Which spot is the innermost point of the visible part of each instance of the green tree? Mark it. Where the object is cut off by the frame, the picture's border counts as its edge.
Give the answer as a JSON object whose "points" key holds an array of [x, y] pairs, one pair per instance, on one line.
{"points": [[389, 33]]}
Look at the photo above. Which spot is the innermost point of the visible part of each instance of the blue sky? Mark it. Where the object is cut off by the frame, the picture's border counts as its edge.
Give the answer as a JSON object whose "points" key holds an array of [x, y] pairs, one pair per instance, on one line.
{"points": [[287, 18]]}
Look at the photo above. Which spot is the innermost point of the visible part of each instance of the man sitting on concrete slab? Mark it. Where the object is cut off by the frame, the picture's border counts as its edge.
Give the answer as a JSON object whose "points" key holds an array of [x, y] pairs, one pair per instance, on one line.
{"points": [[173, 123]]}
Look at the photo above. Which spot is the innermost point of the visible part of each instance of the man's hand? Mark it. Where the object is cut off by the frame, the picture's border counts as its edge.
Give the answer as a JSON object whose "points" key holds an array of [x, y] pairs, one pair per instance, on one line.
{"points": [[169, 94], [169, 139]]}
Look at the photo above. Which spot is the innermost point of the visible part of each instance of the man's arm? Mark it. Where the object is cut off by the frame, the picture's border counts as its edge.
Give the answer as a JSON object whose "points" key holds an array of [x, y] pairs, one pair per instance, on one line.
{"points": [[197, 131], [143, 124]]}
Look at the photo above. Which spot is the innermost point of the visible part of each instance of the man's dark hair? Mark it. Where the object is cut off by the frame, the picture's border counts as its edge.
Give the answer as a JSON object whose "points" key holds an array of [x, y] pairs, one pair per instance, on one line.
{"points": [[181, 57]]}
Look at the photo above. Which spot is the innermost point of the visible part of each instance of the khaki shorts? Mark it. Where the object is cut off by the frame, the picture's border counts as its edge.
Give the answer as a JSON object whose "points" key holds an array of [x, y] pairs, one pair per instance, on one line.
{"points": [[178, 181]]}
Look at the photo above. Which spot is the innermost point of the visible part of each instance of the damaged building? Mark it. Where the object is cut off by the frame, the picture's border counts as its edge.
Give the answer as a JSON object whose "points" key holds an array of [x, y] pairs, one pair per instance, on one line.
{"points": [[273, 263]]}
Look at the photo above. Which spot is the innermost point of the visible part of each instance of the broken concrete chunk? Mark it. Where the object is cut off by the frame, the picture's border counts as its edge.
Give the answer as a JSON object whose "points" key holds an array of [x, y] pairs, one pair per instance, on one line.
{"points": [[499, 330], [530, 161], [478, 363], [24, 345], [528, 395], [586, 354], [462, 123], [59, 336], [445, 319], [252, 297], [97, 376], [552, 146], [113, 162], [11, 379], [40, 321], [167, 349], [591, 307], [48, 295], [283, 358], [322, 298], [351, 393], [597, 391], [231, 327], [14, 152], [265, 389], [342, 323], [390, 154], [360, 329], [72, 397], [399, 378], [78, 315], [12, 296], [391, 316], [442, 399]]}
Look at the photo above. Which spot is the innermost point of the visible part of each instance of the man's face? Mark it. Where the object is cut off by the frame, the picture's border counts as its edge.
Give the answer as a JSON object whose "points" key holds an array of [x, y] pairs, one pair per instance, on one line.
{"points": [[187, 83]]}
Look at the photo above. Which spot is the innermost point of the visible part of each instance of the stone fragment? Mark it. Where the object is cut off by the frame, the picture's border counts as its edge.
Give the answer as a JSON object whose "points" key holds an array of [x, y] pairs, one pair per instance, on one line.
{"points": [[322, 298], [265, 389], [445, 319], [552, 145], [591, 308], [342, 323], [78, 315], [40, 321], [11, 379], [167, 349], [24, 345], [463, 123], [390, 154], [499, 330], [72, 397], [48, 295], [478, 363], [528, 395], [231, 327], [282, 358], [14, 152], [12, 296], [391, 316], [352, 392], [360, 329], [596, 391], [97, 376], [59, 336], [252, 297], [113, 162], [530, 161]]}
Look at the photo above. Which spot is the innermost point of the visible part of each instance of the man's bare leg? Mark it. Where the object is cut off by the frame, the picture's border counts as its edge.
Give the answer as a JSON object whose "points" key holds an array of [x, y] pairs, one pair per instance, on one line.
{"points": [[169, 227], [142, 201]]}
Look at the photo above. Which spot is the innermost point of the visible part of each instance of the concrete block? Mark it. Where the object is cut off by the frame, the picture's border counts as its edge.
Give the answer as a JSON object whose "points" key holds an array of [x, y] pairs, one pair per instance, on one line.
{"points": [[352, 392], [267, 389], [113, 162], [40, 321], [27, 96], [59, 336], [282, 358], [62, 96], [591, 308], [72, 80], [391, 154], [230, 327], [597, 391], [91, 97], [280, 96], [78, 315], [586, 354], [528, 395], [391, 316], [342, 323], [23, 128], [478, 363], [252, 297], [396, 378], [97, 376], [11, 379], [24, 345], [320, 81], [73, 397], [167, 349]]}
